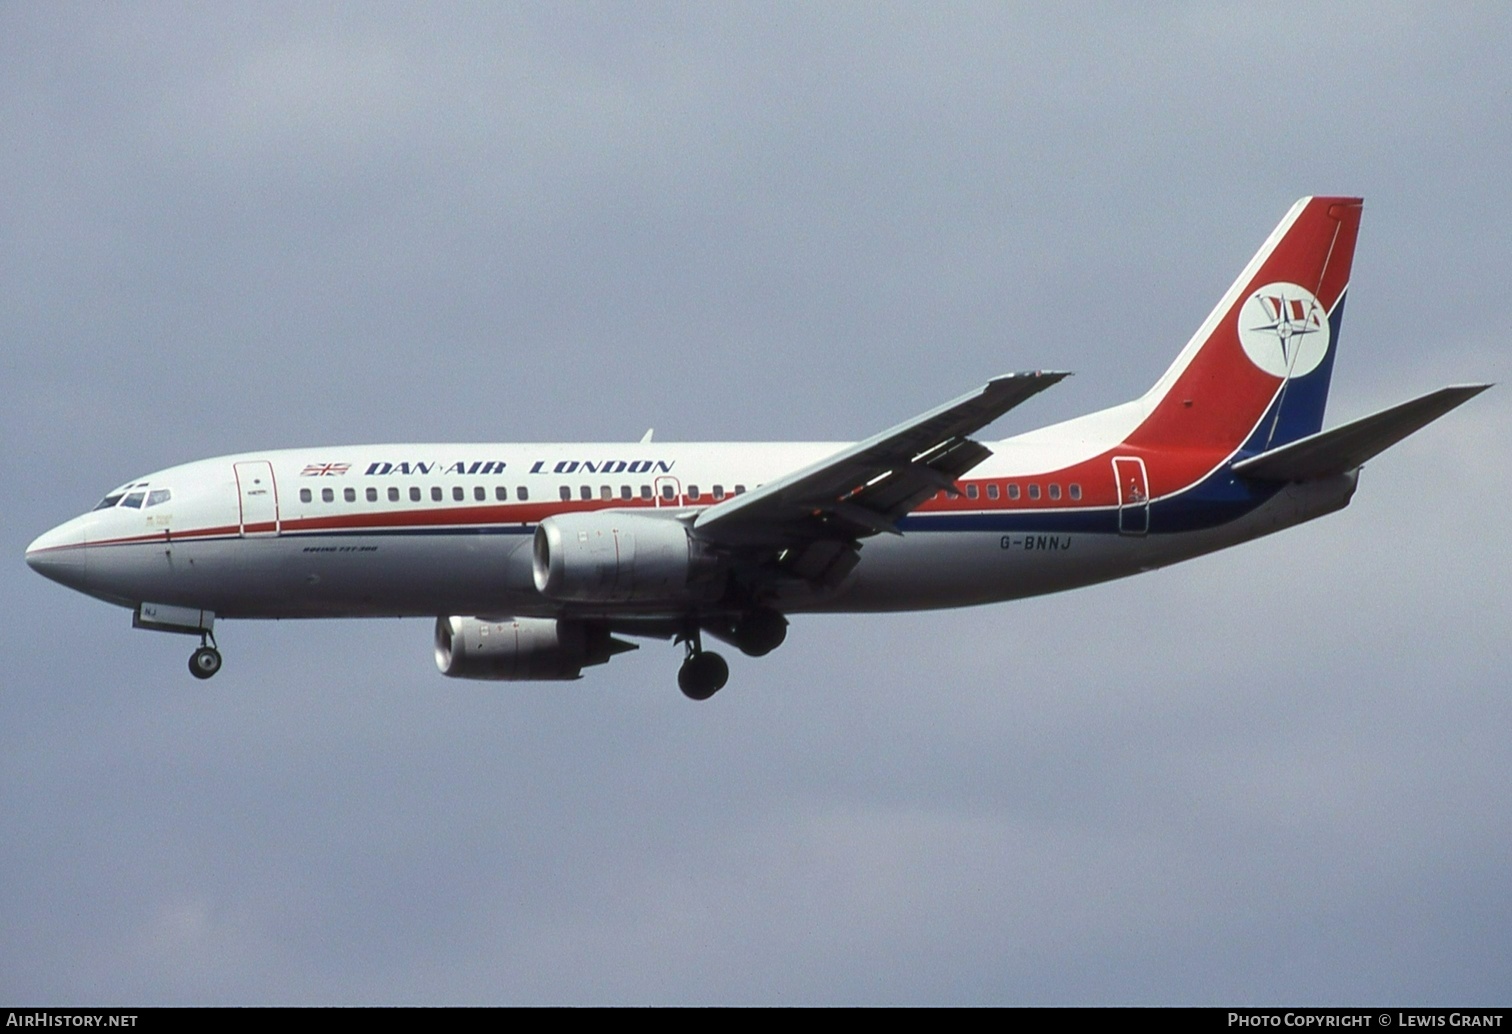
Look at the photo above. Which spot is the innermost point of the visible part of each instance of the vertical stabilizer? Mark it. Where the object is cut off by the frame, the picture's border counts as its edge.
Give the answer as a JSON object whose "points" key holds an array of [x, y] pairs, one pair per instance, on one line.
{"points": [[1256, 373]]}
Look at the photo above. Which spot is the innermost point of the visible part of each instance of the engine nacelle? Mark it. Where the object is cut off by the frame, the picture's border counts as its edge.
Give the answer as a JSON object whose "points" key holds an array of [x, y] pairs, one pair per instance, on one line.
{"points": [[521, 649], [621, 558]]}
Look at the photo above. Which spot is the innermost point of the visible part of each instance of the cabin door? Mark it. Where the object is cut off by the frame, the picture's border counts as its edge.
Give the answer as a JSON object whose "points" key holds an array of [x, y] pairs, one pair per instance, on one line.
{"points": [[258, 498], [1133, 495]]}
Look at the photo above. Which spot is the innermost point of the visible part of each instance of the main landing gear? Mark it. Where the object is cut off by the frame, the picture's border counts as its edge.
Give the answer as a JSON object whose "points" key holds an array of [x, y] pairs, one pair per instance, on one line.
{"points": [[756, 633], [205, 661], [703, 673]]}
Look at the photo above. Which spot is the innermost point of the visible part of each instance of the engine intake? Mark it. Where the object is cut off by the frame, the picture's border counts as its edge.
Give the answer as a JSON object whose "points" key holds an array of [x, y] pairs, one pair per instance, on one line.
{"points": [[518, 649], [621, 558]]}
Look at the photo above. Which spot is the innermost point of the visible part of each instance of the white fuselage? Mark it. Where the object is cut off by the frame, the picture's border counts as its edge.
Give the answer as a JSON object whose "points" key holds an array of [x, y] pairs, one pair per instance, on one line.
{"points": [[425, 530]]}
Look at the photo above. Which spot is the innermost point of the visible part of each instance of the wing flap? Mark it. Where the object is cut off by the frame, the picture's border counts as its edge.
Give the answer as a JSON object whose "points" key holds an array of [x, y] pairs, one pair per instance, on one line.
{"points": [[1348, 446]]}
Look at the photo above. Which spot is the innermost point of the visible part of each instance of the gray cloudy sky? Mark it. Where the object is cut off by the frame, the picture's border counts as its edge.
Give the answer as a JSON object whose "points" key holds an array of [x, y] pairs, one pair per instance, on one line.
{"points": [[1279, 774]]}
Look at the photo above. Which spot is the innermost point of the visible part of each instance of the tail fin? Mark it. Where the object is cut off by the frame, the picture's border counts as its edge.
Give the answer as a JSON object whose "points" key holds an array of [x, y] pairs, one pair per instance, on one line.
{"points": [[1256, 373]]}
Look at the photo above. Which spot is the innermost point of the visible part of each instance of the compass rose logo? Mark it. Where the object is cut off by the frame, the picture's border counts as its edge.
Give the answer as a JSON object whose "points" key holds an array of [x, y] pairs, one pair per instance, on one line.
{"points": [[1284, 330]]}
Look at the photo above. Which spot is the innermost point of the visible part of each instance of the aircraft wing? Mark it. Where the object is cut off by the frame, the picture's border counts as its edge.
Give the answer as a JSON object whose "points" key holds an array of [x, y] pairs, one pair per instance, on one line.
{"points": [[1348, 446], [864, 489]]}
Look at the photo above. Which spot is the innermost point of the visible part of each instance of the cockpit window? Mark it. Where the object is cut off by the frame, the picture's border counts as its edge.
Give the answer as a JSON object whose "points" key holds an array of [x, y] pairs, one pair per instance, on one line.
{"points": [[134, 500], [109, 501], [158, 495]]}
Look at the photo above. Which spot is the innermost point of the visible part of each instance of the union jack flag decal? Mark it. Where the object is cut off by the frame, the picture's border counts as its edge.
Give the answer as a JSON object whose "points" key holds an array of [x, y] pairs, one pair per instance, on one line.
{"points": [[316, 470]]}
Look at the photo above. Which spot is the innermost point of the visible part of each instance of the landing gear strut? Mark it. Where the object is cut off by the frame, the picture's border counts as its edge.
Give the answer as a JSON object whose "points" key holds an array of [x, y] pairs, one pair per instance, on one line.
{"points": [[205, 661], [703, 673]]}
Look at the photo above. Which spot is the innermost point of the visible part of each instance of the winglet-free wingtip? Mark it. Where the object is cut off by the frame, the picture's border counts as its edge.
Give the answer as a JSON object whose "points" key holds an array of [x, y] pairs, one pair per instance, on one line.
{"points": [[1048, 377]]}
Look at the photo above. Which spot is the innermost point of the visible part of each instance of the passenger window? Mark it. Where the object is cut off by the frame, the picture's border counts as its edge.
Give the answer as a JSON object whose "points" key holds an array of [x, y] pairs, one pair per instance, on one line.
{"points": [[692, 491], [304, 495], [393, 494], [1075, 490], [992, 491], [372, 495], [625, 492], [327, 495], [479, 494], [1034, 491], [740, 489], [605, 492], [458, 494], [414, 495], [435, 493], [134, 500], [566, 494], [668, 493], [971, 491], [586, 492], [1055, 491], [1013, 491], [501, 494], [719, 491], [645, 491], [351, 495], [522, 493]]}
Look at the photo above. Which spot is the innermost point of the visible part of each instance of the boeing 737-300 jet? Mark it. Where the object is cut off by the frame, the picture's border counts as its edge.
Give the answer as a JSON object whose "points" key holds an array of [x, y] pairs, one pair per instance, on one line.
{"points": [[538, 560]]}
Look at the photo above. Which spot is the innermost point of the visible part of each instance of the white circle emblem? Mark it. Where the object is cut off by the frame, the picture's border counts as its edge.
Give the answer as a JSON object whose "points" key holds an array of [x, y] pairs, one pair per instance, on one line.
{"points": [[1284, 330]]}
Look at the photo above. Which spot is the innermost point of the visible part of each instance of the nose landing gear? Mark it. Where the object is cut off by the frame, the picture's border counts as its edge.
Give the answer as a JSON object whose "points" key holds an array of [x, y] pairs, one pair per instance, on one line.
{"points": [[205, 661], [164, 617]]}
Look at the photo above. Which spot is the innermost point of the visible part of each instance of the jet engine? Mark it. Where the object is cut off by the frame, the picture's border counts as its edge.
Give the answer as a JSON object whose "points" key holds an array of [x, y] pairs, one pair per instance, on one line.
{"points": [[515, 649], [622, 558]]}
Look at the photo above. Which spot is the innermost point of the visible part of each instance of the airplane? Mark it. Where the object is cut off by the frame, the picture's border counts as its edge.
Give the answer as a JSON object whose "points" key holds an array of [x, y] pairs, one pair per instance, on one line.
{"points": [[541, 558]]}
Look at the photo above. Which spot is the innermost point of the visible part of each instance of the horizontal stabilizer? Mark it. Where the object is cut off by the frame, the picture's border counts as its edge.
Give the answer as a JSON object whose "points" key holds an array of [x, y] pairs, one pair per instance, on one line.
{"points": [[1348, 446]]}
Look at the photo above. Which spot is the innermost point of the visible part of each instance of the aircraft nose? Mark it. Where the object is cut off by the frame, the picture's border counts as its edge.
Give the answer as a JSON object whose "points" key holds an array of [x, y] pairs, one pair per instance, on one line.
{"points": [[60, 555]]}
